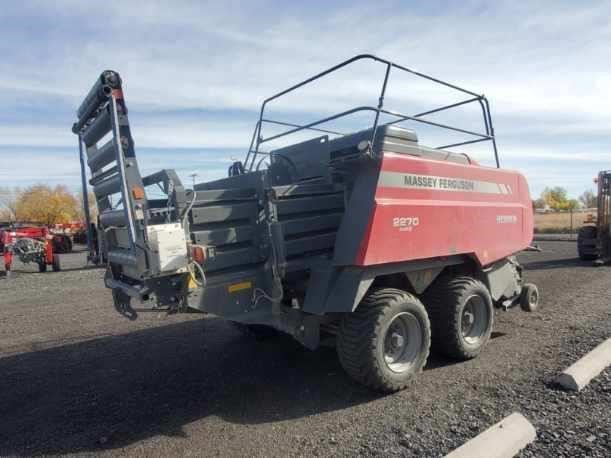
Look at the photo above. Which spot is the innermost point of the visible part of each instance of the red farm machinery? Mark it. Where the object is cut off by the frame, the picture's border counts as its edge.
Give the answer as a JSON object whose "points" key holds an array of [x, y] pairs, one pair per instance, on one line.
{"points": [[32, 244], [366, 237]]}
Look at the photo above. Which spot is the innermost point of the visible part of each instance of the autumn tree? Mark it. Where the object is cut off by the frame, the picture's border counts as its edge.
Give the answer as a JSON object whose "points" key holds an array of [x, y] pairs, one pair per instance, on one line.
{"points": [[43, 204]]}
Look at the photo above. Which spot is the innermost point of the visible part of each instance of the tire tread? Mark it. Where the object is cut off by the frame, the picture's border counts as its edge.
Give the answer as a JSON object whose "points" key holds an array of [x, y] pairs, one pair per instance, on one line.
{"points": [[445, 321], [356, 342]]}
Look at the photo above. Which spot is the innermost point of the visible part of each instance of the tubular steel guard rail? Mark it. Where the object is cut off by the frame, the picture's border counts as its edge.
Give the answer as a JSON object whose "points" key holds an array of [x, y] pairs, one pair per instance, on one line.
{"points": [[257, 138]]}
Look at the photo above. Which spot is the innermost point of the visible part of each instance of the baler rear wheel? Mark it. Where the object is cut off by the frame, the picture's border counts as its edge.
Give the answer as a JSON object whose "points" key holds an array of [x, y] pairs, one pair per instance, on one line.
{"points": [[42, 266], [56, 265], [462, 316], [386, 340]]}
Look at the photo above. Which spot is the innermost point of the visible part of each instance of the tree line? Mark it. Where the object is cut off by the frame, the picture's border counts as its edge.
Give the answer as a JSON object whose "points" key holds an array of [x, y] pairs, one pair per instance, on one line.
{"points": [[557, 198]]}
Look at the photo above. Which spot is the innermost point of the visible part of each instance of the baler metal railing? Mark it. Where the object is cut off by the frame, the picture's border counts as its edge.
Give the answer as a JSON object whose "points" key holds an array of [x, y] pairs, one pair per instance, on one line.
{"points": [[488, 135]]}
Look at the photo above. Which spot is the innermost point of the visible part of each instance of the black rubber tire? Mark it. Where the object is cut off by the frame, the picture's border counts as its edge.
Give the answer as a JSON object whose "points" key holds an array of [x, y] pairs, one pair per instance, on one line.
{"points": [[445, 300], [66, 244], [42, 267], [56, 266], [586, 233], [360, 340], [529, 297], [123, 304]]}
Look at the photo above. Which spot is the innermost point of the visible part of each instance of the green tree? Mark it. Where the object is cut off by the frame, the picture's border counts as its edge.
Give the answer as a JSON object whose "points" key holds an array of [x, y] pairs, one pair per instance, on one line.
{"points": [[571, 204], [556, 197]]}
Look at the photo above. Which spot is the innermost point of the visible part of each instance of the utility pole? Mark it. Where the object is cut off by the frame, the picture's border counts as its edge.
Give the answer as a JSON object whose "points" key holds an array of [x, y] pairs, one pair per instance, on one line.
{"points": [[193, 175]]}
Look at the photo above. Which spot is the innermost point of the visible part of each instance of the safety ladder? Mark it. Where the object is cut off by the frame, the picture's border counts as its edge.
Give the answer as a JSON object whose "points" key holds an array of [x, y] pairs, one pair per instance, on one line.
{"points": [[119, 189]]}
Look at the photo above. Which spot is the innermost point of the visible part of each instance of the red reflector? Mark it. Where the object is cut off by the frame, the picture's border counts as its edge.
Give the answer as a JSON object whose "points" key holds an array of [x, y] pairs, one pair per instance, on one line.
{"points": [[198, 254]]}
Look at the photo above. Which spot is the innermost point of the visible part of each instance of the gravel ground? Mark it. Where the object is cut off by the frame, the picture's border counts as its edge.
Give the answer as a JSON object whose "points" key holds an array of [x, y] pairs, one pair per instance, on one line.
{"points": [[555, 237], [76, 378]]}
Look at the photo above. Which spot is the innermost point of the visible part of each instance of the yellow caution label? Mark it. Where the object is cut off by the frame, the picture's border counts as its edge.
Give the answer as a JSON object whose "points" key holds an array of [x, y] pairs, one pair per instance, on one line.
{"points": [[239, 286], [192, 284]]}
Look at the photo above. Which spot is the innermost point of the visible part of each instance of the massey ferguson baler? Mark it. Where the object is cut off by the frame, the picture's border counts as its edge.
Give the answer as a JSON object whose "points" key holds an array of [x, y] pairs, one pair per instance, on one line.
{"points": [[387, 245]]}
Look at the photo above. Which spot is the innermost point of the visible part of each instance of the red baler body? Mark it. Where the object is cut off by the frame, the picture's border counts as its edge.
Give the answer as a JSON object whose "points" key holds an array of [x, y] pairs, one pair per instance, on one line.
{"points": [[427, 208]]}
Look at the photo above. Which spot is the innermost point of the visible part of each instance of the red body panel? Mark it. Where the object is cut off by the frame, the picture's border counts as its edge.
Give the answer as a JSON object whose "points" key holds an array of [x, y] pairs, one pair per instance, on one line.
{"points": [[425, 208]]}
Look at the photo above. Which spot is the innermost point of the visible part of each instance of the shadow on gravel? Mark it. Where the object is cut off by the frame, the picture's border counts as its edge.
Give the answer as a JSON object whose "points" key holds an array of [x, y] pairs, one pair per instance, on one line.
{"points": [[15, 273], [556, 264], [112, 391]]}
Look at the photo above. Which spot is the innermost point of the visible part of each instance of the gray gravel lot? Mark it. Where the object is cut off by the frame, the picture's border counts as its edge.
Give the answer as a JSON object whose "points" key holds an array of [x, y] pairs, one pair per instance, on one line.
{"points": [[76, 378]]}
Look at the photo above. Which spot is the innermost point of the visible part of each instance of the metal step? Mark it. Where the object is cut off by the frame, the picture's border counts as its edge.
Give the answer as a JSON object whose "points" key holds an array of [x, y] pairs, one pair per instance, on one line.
{"points": [[123, 257], [100, 127], [113, 218], [100, 177], [108, 187], [102, 156]]}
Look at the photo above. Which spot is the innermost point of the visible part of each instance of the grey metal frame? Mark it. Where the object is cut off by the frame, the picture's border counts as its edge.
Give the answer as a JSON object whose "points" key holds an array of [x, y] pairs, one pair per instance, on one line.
{"points": [[604, 214], [257, 139], [114, 170]]}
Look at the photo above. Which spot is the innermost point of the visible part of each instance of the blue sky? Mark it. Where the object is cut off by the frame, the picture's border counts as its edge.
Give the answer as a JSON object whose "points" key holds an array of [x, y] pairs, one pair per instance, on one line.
{"points": [[195, 75]]}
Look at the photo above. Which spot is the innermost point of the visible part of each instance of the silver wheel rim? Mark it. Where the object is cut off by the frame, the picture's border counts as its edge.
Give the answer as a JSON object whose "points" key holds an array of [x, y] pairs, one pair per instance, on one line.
{"points": [[474, 319], [533, 297], [402, 342]]}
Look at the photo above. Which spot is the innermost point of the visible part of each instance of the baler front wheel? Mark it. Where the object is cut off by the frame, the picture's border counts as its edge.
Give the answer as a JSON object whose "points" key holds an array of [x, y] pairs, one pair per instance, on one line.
{"points": [[462, 316], [529, 297], [386, 340]]}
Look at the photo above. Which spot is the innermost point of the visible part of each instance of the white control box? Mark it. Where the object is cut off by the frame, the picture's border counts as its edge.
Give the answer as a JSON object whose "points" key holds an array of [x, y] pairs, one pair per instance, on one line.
{"points": [[168, 246]]}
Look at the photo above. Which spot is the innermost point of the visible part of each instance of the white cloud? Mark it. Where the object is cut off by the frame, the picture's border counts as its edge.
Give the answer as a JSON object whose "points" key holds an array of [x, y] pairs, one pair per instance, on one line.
{"points": [[544, 66]]}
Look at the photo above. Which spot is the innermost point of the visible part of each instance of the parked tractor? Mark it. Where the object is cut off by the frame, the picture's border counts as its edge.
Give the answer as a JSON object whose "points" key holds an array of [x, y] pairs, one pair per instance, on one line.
{"points": [[368, 237], [31, 244], [593, 239]]}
